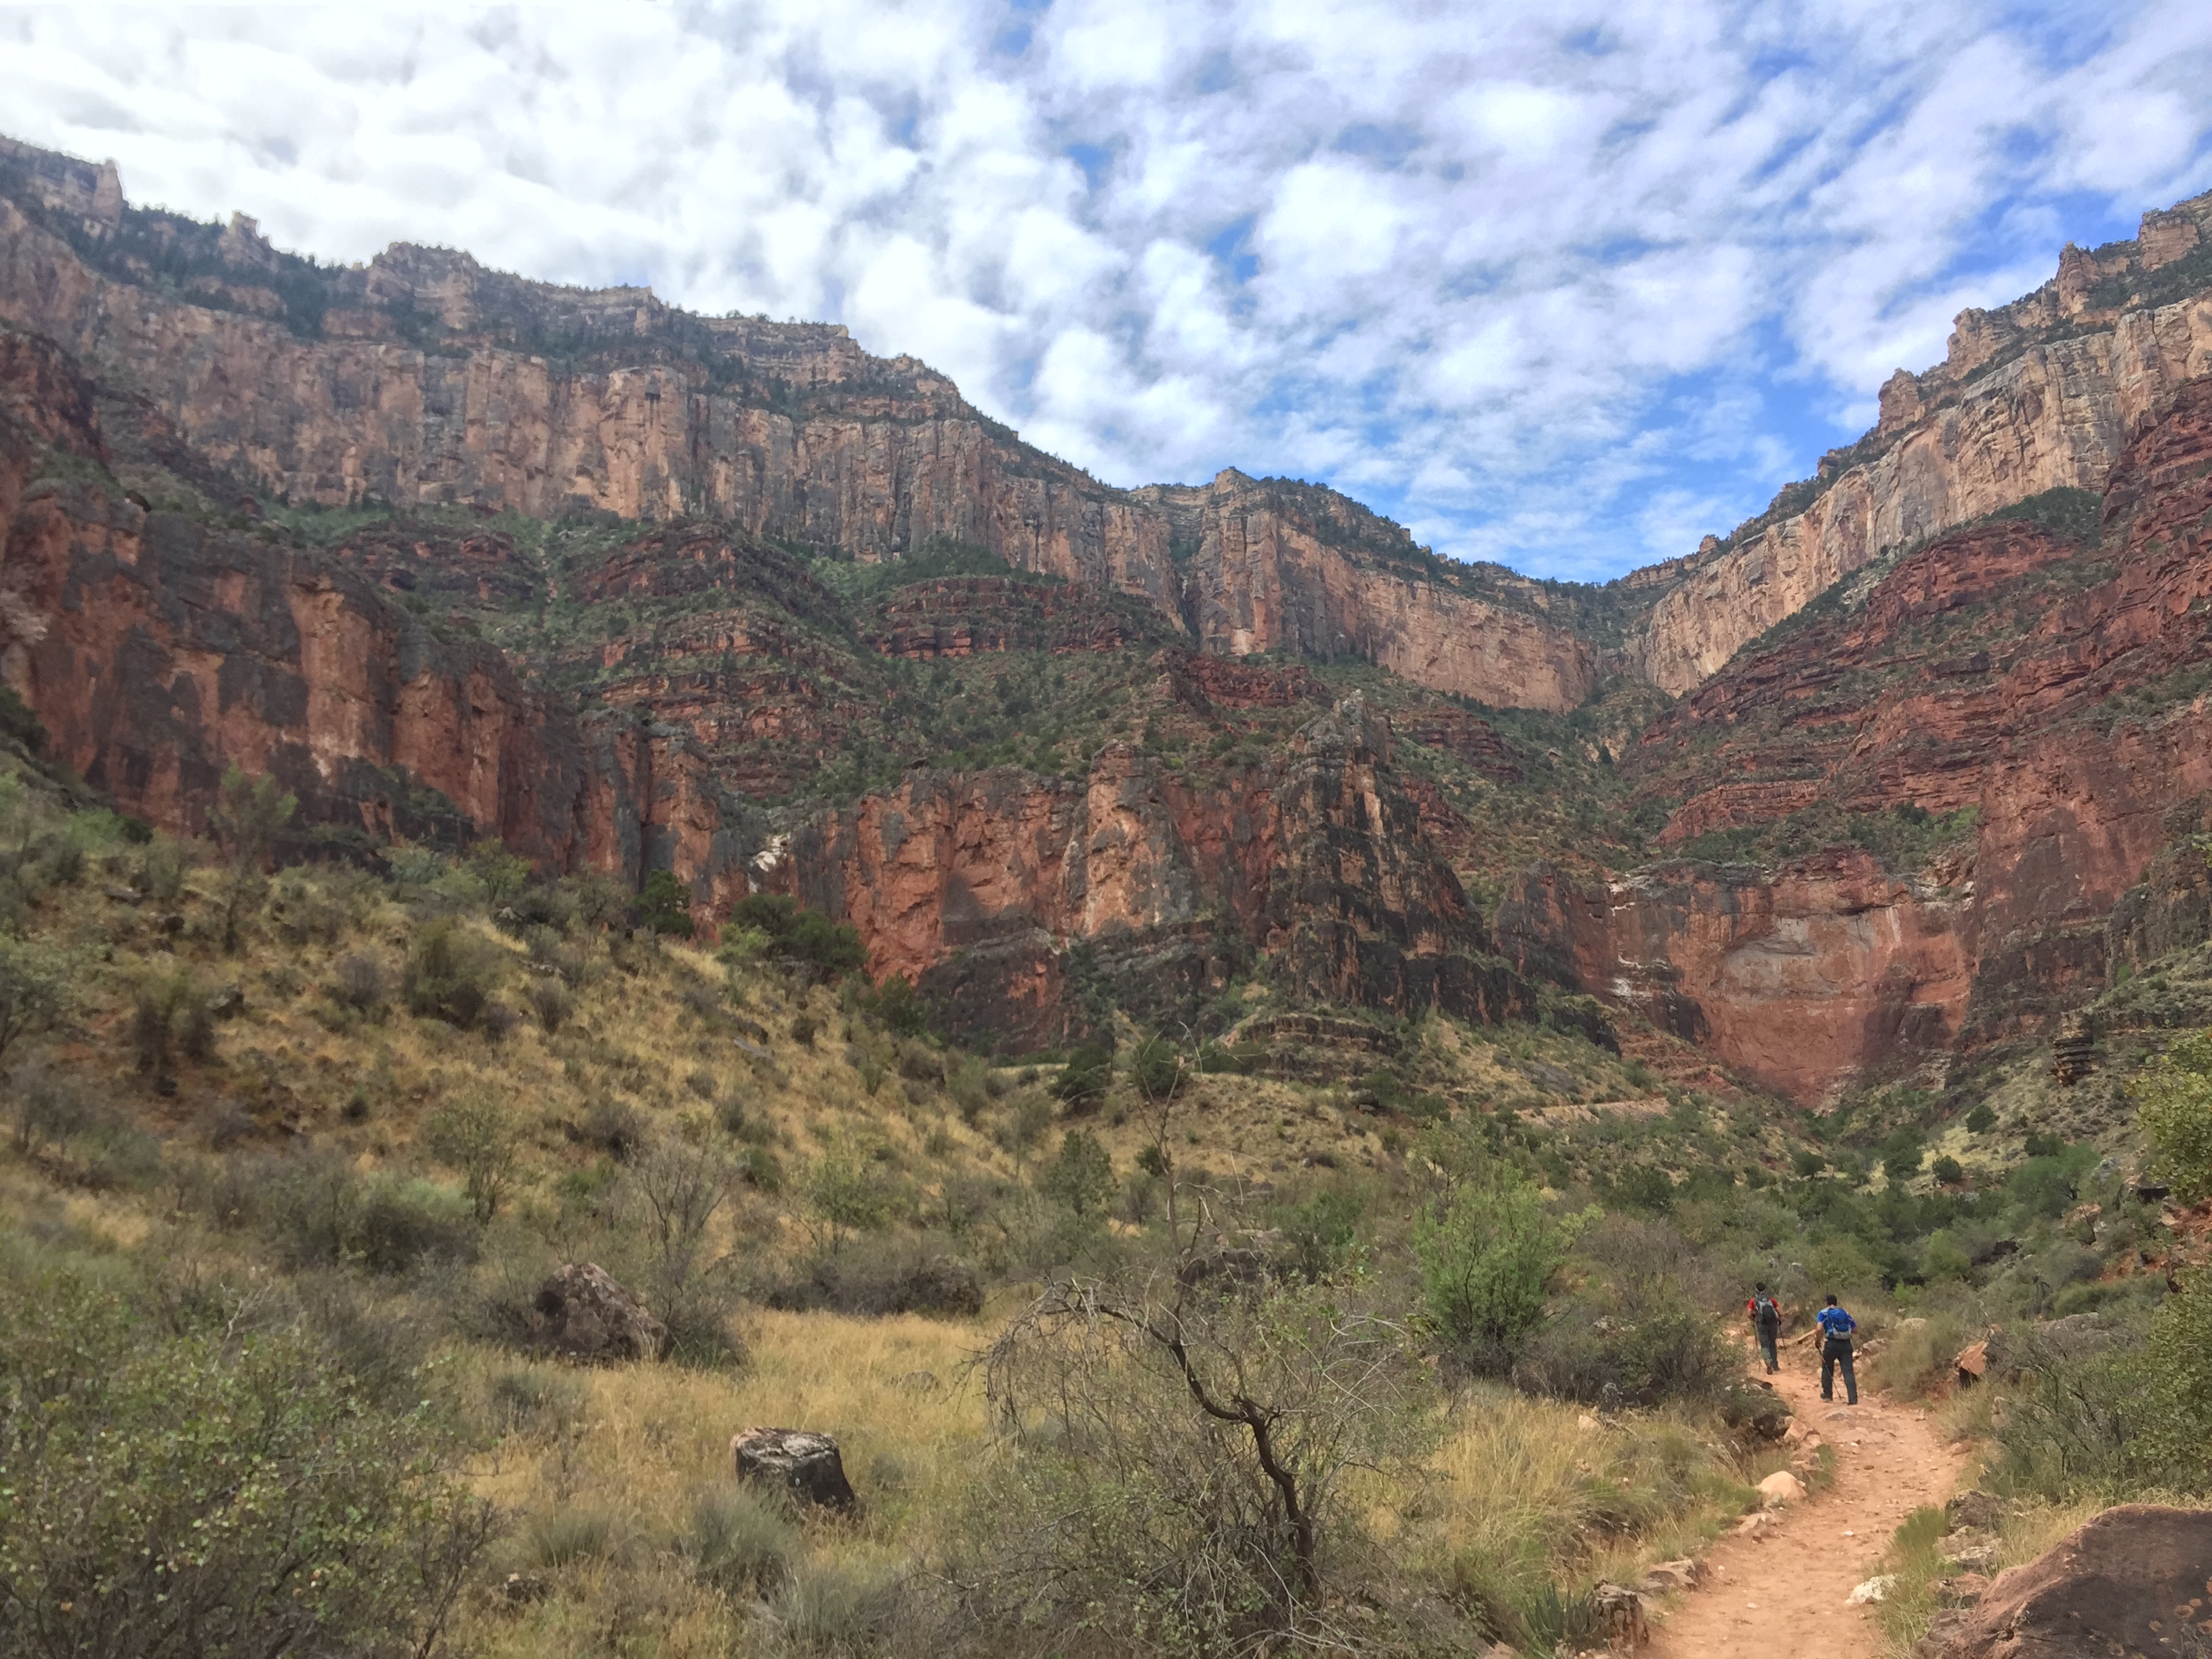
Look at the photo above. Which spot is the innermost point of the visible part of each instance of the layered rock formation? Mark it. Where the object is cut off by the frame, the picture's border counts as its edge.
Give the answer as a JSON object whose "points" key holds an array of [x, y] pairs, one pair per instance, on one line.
{"points": [[2045, 393], [157, 652], [425, 379], [1007, 896], [2058, 688]]}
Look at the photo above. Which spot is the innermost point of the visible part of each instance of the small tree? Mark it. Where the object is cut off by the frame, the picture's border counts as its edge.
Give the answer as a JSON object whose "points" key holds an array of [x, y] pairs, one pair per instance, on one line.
{"points": [[664, 906], [684, 1182], [247, 816], [502, 873], [2175, 1092], [844, 1193], [476, 1136], [1487, 1251], [169, 1013], [1082, 1176], [33, 991]]}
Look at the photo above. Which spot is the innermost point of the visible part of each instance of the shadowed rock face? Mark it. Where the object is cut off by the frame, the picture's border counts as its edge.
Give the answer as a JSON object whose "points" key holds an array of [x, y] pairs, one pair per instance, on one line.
{"points": [[1005, 894], [2054, 687]]}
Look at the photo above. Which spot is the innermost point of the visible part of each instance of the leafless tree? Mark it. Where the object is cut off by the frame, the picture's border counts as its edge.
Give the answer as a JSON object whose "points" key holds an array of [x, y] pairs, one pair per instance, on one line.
{"points": [[1182, 1448]]}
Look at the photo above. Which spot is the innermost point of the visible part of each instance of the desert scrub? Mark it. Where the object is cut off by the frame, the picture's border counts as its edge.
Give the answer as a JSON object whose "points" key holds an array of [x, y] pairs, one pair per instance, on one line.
{"points": [[240, 1490], [1537, 1501]]}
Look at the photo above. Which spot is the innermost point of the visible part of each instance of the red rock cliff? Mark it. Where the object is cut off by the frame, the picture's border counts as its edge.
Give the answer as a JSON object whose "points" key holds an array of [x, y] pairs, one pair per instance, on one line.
{"points": [[2045, 393], [2055, 688]]}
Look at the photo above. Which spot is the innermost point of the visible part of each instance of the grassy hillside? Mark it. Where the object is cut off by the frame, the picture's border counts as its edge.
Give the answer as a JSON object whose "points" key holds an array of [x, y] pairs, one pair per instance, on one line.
{"points": [[297, 1149]]}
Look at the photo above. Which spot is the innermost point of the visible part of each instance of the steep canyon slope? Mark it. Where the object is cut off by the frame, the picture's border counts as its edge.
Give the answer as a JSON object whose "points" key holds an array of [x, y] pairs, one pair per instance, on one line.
{"points": [[1949, 780], [453, 554]]}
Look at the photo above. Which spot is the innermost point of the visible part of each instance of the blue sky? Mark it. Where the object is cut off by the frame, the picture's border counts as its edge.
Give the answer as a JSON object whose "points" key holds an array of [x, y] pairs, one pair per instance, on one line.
{"points": [[1563, 285]]}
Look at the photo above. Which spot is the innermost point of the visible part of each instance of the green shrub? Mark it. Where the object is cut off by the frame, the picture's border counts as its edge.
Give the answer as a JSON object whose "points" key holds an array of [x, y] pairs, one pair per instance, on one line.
{"points": [[1947, 1171], [741, 1541], [478, 1137], [551, 1003], [880, 1275], [241, 1493], [450, 974], [1487, 1254], [1083, 1082], [800, 935], [1156, 1068], [1632, 1333], [664, 905], [2178, 1427], [897, 1007], [33, 991], [1082, 1176], [170, 1015], [2175, 1097], [1981, 1120]]}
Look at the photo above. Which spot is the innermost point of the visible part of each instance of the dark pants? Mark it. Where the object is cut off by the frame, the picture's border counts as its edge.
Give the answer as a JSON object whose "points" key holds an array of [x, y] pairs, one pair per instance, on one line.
{"points": [[1836, 1351], [1766, 1335]]}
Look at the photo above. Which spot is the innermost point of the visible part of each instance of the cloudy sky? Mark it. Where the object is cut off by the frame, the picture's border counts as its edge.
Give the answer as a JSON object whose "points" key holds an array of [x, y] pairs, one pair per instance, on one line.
{"points": [[1562, 284]]}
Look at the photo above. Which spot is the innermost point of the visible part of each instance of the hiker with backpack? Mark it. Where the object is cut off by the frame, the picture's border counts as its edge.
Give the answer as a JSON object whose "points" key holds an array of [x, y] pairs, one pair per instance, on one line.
{"points": [[1766, 1321], [1836, 1328]]}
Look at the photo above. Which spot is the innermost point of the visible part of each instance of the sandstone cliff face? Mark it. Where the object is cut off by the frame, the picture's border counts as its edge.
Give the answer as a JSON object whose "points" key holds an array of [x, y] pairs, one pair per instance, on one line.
{"points": [[2044, 394], [1285, 567], [2058, 689], [1003, 894], [157, 652], [425, 379], [1800, 977]]}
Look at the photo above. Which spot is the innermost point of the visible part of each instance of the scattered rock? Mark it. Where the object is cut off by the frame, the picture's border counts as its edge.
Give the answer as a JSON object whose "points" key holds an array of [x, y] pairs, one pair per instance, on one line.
{"points": [[132, 896], [1963, 1590], [588, 1316], [1756, 1526], [1973, 1364], [2132, 1579], [227, 1001], [1669, 1576], [1781, 1488], [1978, 1510], [521, 1588], [806, 1463], [1874, 1589], [1587, 1424]]}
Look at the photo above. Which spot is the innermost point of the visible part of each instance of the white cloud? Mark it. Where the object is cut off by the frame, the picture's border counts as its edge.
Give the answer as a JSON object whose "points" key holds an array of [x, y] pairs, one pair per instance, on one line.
{"points": [[1558, 285]]}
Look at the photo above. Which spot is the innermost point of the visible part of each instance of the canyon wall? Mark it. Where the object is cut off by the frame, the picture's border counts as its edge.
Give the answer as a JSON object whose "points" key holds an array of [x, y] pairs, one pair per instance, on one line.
{"points": [[1008, 897], [2058, 688], [424, 378], [157, 652], [2043, 394]]}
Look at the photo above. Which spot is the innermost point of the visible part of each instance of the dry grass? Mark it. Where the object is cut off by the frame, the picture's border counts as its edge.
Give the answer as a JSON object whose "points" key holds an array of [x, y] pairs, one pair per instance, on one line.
{"points": [[646, 1443], [1536, 1494]]}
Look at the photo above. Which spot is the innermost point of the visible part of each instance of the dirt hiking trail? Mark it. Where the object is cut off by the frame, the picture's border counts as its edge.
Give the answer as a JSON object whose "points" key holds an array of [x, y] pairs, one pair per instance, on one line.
{"points": [[1786, 1592]]}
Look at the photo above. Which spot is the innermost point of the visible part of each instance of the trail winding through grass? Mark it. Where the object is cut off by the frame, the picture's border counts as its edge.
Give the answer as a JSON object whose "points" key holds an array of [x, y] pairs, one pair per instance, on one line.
{"points": [[1786, 1594]]}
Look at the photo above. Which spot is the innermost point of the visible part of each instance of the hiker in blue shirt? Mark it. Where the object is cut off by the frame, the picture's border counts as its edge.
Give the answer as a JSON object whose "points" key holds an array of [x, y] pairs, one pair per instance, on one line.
{"points": [[1836, 1328]]}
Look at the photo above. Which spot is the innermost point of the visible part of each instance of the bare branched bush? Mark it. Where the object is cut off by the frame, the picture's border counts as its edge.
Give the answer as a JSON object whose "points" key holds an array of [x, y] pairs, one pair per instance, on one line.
{"points": [[1180, 1457]]}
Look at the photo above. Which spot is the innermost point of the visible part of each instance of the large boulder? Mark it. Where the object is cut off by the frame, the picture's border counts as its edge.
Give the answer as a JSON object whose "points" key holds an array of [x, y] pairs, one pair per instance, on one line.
{"points": [[588, 1316], [805, 1464], [2137, 1579]]}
